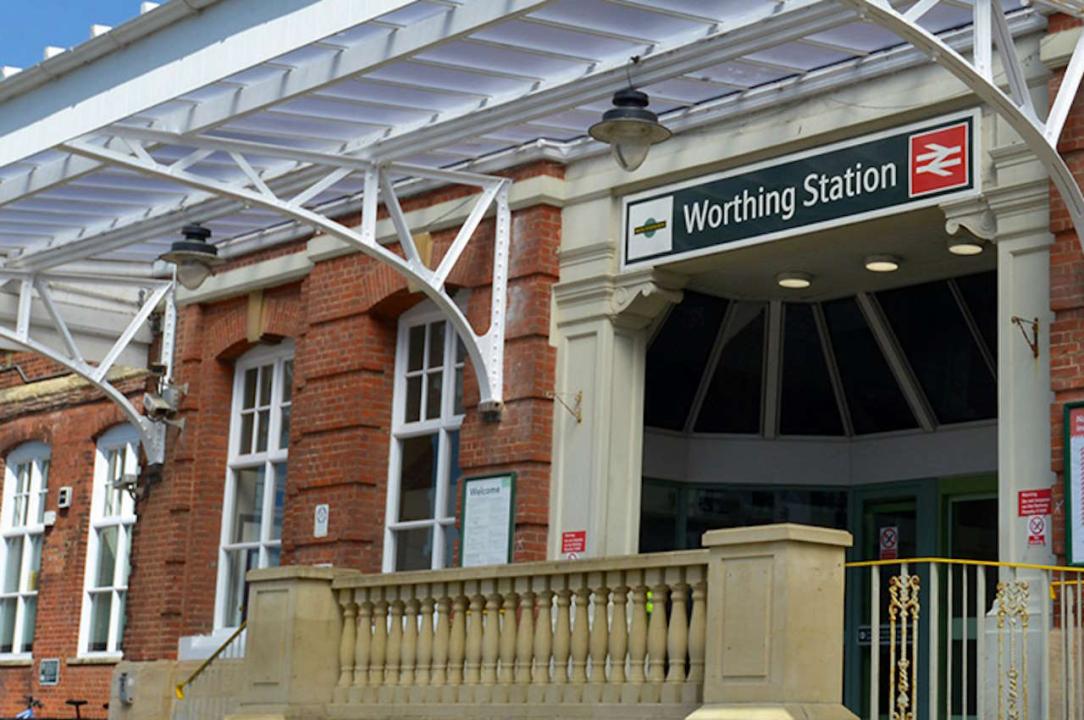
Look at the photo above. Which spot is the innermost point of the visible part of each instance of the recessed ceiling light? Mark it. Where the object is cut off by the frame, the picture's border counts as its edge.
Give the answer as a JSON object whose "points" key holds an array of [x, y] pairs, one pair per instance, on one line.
{"points": [[965, 245], [794, 280], [882, 263]]}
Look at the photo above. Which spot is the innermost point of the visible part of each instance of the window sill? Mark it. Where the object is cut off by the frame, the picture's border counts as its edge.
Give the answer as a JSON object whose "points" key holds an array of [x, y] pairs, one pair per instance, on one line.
{"points": [[16, 662], [95, 660]]}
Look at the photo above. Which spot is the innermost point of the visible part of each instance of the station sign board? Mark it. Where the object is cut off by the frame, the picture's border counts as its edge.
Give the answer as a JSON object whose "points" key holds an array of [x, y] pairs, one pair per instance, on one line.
{"points": [[857, 179]]}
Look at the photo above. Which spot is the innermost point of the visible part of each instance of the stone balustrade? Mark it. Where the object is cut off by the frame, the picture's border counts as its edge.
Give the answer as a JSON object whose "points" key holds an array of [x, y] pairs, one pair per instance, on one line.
{"points": [[626, 630], [751, 626]]}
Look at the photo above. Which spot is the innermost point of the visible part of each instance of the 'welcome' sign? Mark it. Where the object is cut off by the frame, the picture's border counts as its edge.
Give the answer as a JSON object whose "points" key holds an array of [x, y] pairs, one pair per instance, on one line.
{"points": [[846, 182]]}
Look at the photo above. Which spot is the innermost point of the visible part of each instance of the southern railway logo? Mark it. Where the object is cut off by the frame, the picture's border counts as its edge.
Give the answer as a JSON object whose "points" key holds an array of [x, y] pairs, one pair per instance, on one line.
{"points": [[650, 227]]}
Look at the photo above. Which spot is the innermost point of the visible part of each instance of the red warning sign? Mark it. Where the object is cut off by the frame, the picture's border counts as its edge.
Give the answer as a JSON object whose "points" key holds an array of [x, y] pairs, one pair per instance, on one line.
{"points": [[1037, 530], [573, 542], [938, 160], [1035, 502], [890, 542]]}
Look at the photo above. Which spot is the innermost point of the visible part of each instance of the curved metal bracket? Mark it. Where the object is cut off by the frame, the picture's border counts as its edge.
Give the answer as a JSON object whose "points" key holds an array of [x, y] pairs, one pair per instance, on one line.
{"points": [[990, 28], [486, 351], [151, 431]]}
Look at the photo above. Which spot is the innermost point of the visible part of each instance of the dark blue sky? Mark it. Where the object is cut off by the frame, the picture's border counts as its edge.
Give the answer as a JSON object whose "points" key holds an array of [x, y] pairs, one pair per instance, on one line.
{"points": [[29, 25]]}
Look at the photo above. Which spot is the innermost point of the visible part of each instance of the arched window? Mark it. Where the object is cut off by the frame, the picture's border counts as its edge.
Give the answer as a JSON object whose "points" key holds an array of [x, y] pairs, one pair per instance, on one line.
{"points": [[427, 413], [112, 515], [26, 484], [255, 492]]}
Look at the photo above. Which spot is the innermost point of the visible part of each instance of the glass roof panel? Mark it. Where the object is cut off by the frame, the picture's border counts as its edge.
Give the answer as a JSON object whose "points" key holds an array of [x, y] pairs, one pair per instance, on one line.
{"points": [[801, 56], [941, 352], [860, 36], [741, 74], [492, 57], [562, 40], [807, 401], [432, 75], [618, 19], [874, 400], [980, 294], [732, 403], [677, 357]]}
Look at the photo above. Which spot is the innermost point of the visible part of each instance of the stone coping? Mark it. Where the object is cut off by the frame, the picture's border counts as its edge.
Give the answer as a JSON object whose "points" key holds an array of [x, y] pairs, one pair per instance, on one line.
{"points": [[780, 532]]}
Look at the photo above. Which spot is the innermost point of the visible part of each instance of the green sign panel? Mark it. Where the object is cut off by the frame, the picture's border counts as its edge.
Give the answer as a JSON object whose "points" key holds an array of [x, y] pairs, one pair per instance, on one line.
{"points": [[854, 180]]}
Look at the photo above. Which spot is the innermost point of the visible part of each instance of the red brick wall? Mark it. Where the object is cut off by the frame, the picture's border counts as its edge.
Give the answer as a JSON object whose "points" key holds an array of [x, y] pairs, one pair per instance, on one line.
{"points": [[70, 424], [343, 320], [1066, 296]]}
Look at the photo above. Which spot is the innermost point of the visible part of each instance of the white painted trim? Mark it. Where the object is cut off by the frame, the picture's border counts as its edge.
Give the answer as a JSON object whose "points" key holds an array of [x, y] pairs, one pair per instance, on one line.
{"points": [[120, 437], [37, 455], [447, 422], [274, 357]]}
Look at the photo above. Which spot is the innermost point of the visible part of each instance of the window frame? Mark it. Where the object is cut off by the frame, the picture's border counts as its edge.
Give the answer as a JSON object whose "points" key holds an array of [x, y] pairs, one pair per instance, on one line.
{"points": [[263, 355], [445, 425], [123, 519], [38, 456]]}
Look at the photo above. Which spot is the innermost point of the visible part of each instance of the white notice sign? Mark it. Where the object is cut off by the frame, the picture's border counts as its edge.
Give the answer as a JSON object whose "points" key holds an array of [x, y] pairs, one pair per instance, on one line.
{"points": [[487, 520], [319, 521]]}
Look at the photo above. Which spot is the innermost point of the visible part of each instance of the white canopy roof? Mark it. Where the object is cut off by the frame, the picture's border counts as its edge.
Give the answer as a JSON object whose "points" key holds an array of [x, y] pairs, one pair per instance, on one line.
{"points": [[437, 83]]}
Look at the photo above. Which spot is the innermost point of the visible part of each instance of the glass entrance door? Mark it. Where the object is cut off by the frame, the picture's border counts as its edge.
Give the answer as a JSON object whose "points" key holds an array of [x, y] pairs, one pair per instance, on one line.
{"points": [[889, 523]]}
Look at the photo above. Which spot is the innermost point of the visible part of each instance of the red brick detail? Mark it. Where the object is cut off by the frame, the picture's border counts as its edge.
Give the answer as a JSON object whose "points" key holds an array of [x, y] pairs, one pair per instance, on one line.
{"points": [[343, 320]]}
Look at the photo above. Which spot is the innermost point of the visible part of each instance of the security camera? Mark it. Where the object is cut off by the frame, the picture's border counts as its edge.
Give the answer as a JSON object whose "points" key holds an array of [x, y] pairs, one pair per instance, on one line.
{"points": [[164, 404]]}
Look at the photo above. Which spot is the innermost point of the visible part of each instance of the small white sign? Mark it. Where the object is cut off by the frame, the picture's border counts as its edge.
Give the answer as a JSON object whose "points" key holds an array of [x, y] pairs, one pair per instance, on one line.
{"points": [[319, 521], [487, 521]]}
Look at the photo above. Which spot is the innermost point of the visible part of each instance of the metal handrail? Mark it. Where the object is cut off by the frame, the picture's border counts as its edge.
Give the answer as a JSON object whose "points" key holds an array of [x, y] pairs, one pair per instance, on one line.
{"points": [[179, 689], [955, 561]]}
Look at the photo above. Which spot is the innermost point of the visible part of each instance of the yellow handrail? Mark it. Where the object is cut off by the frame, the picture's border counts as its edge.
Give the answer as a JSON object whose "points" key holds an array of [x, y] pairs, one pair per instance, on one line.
{"points": [[179, 689], [954, 561]]}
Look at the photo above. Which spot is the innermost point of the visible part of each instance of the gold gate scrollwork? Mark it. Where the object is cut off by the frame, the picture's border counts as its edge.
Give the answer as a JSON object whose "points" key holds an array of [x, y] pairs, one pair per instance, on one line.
{"points": [[903, 614], [1012, 626]]}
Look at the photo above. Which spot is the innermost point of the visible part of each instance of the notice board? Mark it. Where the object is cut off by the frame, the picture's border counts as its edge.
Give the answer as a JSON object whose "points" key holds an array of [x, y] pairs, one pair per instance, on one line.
{"points": [[489, 513], [1074, 483]]}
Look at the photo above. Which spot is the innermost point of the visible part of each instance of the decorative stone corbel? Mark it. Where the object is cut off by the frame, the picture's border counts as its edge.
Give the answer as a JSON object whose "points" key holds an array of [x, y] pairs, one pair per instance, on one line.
{"points": [[973, 215], [638, 298]]}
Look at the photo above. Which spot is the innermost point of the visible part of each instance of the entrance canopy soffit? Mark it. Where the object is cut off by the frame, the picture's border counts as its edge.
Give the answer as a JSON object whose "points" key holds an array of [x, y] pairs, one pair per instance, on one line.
{"points": [[252, 117]]}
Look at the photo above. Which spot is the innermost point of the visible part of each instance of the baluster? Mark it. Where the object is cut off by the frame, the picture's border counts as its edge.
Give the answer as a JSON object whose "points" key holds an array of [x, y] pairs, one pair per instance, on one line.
{"points": [[395, 643], [698, 635], [491, 639], [677, 643], [597, 644], [346, 644], [440, 643], [508, 638], [678, 634], [543, 639], [580, 638], [524, 638], [380, 644], [456, 652], [638, 636], [600, 634], [410, 643], [619, 635], [472, 666], [562, 638], [364, 641], [656, 642], [425, 644]]}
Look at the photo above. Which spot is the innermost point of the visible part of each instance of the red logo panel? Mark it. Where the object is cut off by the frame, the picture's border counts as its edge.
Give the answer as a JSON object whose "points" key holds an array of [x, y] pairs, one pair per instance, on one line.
{"points": [[938, 160]]}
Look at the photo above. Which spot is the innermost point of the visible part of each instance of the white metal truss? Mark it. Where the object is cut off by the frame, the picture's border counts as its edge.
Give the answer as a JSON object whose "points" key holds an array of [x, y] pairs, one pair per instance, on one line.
{"points": [[38, 286], [990, 30], [486, 350]]}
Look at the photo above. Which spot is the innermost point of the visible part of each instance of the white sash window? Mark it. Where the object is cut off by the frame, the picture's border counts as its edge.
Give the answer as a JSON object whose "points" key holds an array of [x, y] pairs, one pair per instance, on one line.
{"points": [[255, 492], [427, 413], [26, 484], [112, 515]]}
